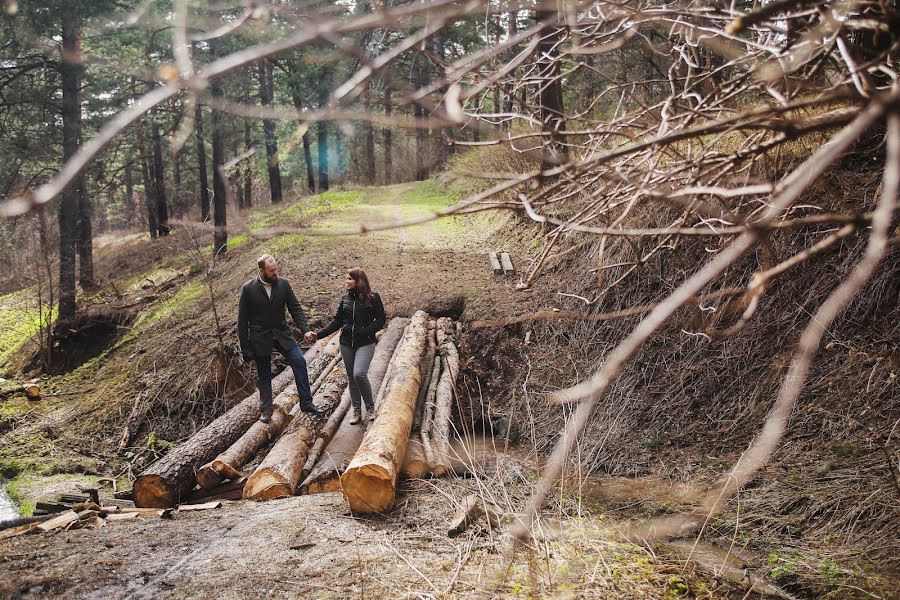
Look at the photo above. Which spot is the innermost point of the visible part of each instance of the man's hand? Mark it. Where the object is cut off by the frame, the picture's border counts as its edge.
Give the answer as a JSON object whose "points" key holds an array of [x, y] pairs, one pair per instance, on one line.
{"points": [[310, 337]]}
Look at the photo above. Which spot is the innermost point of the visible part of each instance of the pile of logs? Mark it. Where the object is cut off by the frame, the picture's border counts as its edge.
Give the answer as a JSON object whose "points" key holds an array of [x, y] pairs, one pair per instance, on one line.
{"points": [[413, 374]]}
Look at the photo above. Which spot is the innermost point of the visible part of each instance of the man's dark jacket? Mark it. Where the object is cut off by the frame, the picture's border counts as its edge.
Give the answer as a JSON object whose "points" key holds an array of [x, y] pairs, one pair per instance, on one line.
{"points": [[358, 320], [261, 320]]}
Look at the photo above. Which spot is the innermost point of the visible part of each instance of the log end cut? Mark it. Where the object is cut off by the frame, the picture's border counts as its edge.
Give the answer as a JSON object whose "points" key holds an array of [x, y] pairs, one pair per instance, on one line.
{"points": [[152, 491], [368, 488], [266, 485]]}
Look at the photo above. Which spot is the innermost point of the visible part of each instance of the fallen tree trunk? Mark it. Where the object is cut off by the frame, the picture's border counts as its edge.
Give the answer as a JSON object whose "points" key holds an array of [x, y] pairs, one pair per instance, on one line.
{"points": [[426, 370], [446, 391], [370, 481], [172, 477], [428, 411], [415, 463], [228, 464], [335, 453], [279, 473]]}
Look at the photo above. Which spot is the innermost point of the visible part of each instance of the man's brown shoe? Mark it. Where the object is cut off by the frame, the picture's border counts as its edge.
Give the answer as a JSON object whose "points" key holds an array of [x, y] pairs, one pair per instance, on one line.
{"points": [[265, 416]]}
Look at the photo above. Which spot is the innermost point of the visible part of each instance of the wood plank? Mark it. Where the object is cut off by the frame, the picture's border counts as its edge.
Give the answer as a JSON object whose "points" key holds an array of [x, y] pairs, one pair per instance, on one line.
{"points": [[506, 262], [122, 516], [204, 506], [495, 263], [59, 521]]}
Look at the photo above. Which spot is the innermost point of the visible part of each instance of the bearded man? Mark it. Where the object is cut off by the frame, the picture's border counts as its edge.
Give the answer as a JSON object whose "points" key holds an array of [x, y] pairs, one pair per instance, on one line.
{"points": [[262, 327]]}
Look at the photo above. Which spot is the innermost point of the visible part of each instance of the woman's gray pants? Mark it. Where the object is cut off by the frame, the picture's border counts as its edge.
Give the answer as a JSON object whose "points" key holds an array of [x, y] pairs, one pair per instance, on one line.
{"points": [[356, 361]]}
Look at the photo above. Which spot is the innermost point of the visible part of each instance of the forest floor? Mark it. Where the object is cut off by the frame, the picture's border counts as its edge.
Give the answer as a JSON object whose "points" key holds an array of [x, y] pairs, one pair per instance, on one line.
{"points": [[311, 546]]}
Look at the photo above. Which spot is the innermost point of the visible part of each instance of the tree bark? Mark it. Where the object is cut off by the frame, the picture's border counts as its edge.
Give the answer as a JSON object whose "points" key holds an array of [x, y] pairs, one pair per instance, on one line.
{"points": [[279, 473], [387, 135], [322, 143], [554, 151], [220, 219], [370, 481], [130, 212], [415, 463], [445, 392], [247, 192], [149, 191], [421, 78], [201, 164], [85, 237], [341, 443], [172, 477], [70, 68], [162, 205], [370, 149], [266, 95]]}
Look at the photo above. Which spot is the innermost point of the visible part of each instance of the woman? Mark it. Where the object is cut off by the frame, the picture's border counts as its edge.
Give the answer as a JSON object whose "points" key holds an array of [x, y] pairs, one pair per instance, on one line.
{"points": [[360, 314]]}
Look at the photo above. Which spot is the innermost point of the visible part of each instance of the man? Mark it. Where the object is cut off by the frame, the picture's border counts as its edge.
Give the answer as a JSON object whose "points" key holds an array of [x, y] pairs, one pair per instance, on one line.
{"points": [[262, 326]]}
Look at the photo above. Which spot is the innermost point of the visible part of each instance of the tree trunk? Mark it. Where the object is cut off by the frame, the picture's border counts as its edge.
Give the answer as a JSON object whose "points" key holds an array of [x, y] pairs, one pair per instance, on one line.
{"points": [[445, 392], [370, 481], [421, 78], [387, 134], [70, 67], [220, 220], [162, 208], [279, 473], [227, 465], [322, 143], [172, 477], [340, 445], [554, 151], [201, 163], [247, 169], [130, 212], [415, 464], [266, 96], [85, 237], [370, 149], [149, 191]]}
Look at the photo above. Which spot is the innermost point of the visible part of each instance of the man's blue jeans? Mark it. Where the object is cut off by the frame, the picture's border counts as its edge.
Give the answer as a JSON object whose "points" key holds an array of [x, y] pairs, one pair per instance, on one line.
{"points": [[264, 377]]}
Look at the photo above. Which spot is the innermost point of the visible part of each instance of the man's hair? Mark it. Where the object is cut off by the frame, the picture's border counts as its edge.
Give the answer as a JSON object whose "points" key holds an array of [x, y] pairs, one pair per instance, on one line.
{"points": [[262, 260]]}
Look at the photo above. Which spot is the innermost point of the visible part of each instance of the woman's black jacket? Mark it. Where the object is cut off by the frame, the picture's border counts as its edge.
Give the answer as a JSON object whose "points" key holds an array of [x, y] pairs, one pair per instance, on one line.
{"points": [[357, 321]]}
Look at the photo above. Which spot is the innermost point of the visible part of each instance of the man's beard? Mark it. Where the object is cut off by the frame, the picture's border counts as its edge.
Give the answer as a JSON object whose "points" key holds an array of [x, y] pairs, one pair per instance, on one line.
{"points": [[271, 281]]}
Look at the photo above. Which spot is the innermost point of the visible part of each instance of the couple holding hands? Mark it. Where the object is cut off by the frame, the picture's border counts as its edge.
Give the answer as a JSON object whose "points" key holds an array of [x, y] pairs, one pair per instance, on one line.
{"points": [[262, 327]]}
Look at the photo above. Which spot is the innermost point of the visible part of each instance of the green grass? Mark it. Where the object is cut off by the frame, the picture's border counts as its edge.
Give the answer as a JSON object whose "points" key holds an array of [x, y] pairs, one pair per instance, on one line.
{"points": [[20, 321], [294, 213]]}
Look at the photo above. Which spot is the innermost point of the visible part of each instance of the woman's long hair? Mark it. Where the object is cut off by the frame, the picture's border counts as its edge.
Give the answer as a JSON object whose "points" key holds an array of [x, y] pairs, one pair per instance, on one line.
{"points": [[362, 290]]}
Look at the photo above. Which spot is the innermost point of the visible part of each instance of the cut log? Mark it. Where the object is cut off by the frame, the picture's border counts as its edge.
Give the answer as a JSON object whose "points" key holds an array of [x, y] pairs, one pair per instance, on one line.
{"points": [[444, 395], [230, 490], [427, 367], [335, 454], [172, 477], [228, 464], [370, 481], [495, 263], [506, 263], [33, 391], [415, 464], [428, 413], [331, 426], [279, 473]]}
